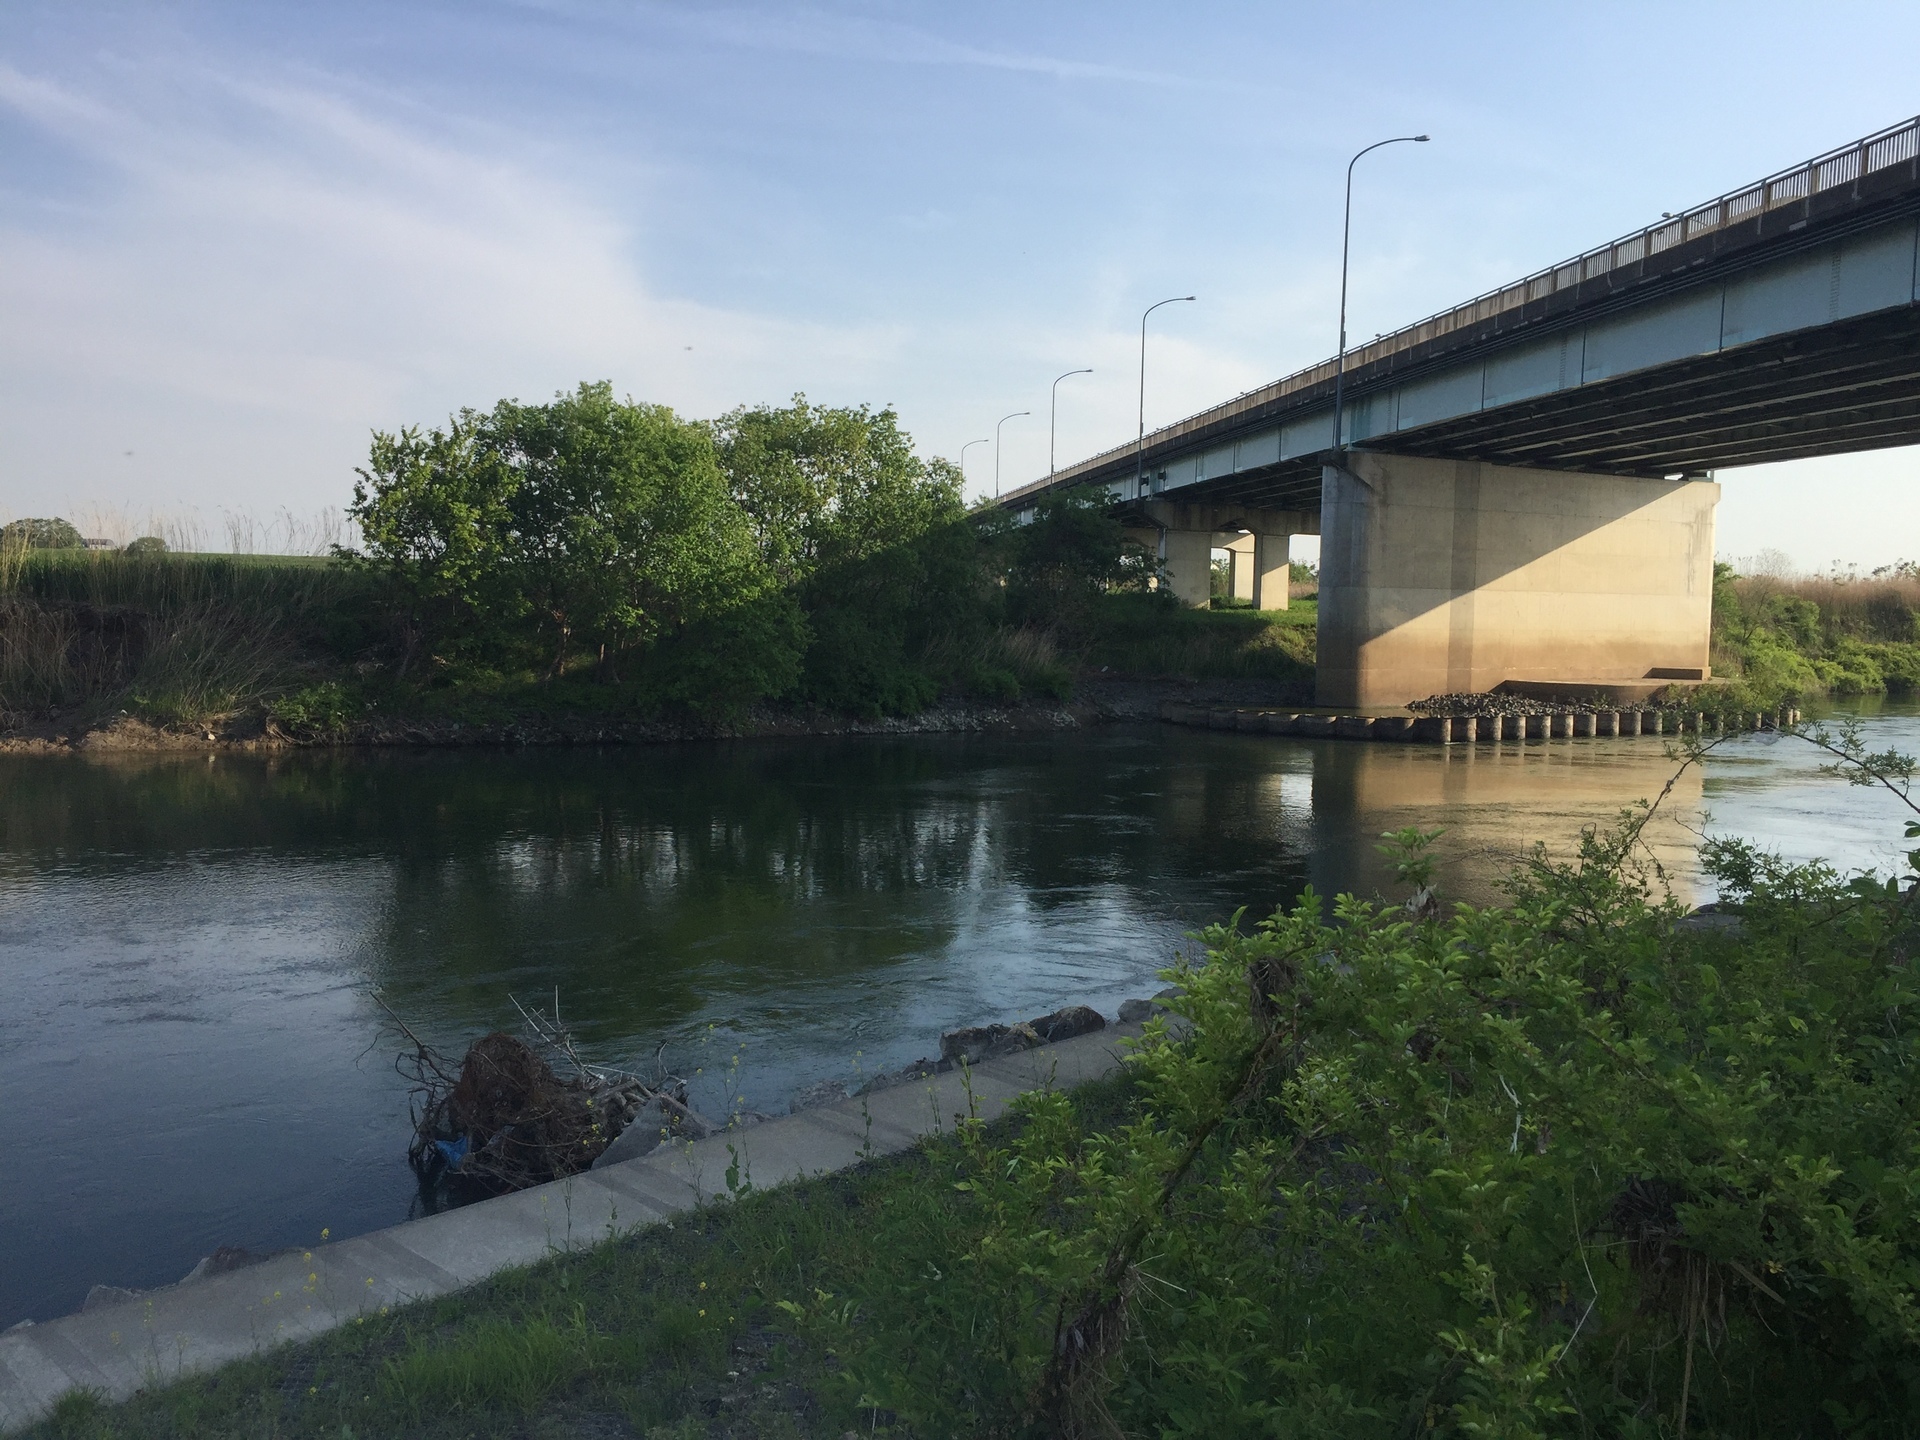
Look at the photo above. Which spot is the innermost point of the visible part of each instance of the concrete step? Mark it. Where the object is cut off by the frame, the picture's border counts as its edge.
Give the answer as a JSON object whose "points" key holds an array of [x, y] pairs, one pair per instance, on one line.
{"points": [[163, 1335]]}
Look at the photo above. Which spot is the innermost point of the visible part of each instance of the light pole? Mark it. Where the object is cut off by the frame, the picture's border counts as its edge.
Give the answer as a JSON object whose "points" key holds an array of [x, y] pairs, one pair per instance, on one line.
{"points": [[1140, 442], [996, 448], [1053, 414], [963, 461], [1346, 232]]}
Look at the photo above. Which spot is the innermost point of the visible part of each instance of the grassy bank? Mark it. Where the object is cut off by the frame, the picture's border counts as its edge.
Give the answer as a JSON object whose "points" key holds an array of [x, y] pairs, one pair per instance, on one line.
{"points": [[677, 1331], [235, 641], [1578, 1165]]}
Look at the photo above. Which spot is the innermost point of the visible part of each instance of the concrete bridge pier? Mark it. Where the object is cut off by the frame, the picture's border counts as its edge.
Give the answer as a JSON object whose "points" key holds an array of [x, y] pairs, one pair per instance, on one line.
{"points": [[1185, 536], [1450, 576]]}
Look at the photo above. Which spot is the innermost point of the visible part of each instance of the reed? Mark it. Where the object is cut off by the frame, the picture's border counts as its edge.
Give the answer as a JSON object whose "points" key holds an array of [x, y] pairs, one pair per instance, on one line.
{"points": [[1881, 609], [179, 639]]}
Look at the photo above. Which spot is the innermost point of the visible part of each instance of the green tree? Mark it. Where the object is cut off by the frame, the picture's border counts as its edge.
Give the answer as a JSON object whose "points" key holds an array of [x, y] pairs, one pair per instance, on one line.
{"points": [[582, 522], [433, 515], [826, 487], [1073, 550], [622, 523], [873, 540], [42, 534]]}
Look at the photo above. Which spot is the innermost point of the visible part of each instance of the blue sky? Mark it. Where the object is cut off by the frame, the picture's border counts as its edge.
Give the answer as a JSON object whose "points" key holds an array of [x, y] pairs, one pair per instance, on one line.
{"points": [[236, 237]]}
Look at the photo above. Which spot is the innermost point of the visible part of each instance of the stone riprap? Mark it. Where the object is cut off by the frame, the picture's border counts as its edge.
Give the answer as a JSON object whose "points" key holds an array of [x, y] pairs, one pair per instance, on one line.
{"points": [[162, 1335]]}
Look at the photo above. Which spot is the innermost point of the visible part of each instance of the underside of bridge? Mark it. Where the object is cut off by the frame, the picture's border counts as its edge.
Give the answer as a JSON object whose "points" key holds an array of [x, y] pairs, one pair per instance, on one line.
{"points": [[1835, 390]]}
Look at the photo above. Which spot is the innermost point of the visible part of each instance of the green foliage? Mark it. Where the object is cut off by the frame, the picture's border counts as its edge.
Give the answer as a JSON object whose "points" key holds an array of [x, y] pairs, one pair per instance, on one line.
{"points": [[147, 545], [732, 655], [826, 488], [1153, 634], [591, 556], [323, 711], [586, 520], [1778, 640], [179, 638], [872, 542], [1565, 1168], [42, 534], [1070, 556]]}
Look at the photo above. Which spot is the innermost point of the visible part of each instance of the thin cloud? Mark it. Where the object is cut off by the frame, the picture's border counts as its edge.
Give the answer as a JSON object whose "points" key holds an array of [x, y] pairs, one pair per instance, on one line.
{"points": [[813, 31]]}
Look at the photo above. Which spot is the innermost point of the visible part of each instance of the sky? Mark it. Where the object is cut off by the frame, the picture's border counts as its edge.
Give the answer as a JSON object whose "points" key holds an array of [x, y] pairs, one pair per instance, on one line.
{"points": [[235, 239]]}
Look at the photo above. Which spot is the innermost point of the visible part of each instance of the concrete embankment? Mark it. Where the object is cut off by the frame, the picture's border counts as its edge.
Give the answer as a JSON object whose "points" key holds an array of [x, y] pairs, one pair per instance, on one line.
{"points": [[1566, 724], [116, 1350]]}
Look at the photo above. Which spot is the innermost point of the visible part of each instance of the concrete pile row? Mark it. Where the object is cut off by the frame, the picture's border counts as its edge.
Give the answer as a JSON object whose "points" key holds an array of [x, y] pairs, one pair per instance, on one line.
{"points": [[1462, 729]]}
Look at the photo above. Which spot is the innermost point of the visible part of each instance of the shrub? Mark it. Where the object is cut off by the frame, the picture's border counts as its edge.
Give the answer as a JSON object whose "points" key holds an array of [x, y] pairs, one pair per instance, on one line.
{"points": [[42, 534], [1569, 1167], [324, 711]]}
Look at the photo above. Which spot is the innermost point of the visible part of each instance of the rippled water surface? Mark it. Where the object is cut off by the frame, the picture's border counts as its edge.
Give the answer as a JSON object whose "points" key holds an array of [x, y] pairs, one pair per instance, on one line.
{"points": [[190, 1055]]}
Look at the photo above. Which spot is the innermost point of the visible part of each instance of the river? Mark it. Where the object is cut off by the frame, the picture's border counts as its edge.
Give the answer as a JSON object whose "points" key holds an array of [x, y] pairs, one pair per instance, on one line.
{"points": [[190, 1054]]}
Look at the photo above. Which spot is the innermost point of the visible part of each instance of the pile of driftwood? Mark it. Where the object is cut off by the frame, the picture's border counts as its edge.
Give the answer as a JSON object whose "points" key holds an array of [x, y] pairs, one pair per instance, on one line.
{"points": [[520, 1111]]}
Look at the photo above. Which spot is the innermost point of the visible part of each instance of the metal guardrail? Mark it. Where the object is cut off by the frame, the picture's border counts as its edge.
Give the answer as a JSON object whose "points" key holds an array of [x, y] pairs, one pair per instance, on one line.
{"points": [[1881, 150]]}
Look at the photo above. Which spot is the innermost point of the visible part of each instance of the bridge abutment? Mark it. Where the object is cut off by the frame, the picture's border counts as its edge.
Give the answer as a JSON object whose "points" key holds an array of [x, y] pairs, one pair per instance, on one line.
{"points": [[1453, 576]]}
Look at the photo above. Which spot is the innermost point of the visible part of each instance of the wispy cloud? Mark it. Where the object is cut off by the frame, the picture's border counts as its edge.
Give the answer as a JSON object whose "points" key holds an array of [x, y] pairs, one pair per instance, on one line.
{"points": [[293, 267], [810, 30]]}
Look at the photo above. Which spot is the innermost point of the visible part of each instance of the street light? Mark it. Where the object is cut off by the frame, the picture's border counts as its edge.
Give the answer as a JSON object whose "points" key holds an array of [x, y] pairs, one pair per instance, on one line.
{"points": [[963, 461], [996, 448], [1140, 443], [1053, 414], [1346, 231]]}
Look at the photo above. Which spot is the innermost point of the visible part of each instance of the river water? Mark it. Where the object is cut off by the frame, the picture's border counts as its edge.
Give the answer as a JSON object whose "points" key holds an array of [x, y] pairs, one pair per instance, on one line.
{"points": [[190, 1054]]}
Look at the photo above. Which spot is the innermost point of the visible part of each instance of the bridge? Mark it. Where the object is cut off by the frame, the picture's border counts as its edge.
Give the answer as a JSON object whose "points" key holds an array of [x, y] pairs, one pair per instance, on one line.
{"points": [[1527, 492]]}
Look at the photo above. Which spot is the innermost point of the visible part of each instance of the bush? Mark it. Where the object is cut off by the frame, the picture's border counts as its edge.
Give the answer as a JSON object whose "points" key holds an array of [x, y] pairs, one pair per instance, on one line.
{"points": [[1567, 1168], [42, 534], [147, 545], [325, 711]]}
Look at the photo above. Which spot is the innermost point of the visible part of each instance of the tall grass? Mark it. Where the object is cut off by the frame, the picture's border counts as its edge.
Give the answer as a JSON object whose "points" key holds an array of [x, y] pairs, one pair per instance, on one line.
{"points": [[161, 584], [1882, 609], [180, 639]]}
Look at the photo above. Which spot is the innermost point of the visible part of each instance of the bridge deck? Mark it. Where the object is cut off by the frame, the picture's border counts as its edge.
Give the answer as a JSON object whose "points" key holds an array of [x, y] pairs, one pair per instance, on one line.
{"points": [[1772, 323]]}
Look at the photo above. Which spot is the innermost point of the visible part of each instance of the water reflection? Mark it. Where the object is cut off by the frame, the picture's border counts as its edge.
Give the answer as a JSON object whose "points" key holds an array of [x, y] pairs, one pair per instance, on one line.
{"points": [[190, 1057]]}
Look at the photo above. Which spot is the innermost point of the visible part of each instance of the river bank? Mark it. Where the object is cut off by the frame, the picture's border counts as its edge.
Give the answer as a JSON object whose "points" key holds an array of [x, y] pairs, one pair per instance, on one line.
{"points": [[193, 942], [1097, 700], [1424, 1137]]}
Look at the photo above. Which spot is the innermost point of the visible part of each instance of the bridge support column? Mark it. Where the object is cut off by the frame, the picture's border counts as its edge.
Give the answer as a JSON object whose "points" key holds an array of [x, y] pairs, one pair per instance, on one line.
{"points": [[1187, 556], [1255, 539], [1443, 576], [1261, 569]]}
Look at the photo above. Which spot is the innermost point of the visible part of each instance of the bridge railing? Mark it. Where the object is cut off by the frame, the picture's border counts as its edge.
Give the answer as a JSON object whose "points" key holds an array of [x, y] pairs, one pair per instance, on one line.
{"points": [[1896, 145]]}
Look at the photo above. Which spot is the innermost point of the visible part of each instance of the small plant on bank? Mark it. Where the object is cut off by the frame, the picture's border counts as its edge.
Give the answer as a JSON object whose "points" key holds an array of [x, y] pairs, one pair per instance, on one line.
{"points": [[1567, 1167]]}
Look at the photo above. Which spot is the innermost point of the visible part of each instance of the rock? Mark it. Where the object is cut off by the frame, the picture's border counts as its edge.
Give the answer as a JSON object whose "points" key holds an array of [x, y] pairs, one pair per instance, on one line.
{"points": [[971, 1043], [17, 1325], [918, 1070], [642, 1136], [101, 1295], [1172, 992], [1067, 1022], [224, 1259], [1134, 1012], [821, 1092], [1711, 917], [1018, 1037]]}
